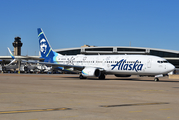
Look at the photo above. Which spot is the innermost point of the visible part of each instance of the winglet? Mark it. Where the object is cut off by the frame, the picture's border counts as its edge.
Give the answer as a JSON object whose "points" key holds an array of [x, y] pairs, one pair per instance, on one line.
{"points": [[11, 56], [11, 53]]}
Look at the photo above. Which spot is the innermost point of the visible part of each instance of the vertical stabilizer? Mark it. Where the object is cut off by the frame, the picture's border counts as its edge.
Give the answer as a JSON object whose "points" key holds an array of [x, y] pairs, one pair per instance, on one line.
{"points": [[45, 49]]}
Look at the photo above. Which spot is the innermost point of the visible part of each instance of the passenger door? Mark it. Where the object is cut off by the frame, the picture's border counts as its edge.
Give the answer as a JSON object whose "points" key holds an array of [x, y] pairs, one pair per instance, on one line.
{"points": [[149, 63]]}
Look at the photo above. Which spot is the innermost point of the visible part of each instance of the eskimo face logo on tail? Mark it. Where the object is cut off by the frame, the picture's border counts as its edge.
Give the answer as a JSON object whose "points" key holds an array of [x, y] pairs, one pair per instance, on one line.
{"points": [[123, 65], [43, 46]]}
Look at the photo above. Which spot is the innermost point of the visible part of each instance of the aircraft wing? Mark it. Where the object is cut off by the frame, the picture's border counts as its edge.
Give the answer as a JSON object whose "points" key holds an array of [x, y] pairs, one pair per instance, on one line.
{"points": [[59, 65], [29, 57], [21, 57], [5, 57]]}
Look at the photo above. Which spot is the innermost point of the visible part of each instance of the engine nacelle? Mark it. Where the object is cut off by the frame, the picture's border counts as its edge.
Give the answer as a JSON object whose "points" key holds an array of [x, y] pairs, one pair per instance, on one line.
{"points": [[120, 75], [91, 72]]}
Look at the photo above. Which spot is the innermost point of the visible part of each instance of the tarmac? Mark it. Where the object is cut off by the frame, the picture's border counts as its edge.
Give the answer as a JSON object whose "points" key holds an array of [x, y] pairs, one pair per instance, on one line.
{"points": [[66, 97]]}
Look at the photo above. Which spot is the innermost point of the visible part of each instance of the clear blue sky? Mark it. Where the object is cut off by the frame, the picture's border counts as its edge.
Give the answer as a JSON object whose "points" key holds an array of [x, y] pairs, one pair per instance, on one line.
{"points": [[73, 23]]}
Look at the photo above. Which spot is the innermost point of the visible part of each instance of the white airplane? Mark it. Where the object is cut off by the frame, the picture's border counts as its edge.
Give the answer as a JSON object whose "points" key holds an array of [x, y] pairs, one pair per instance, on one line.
{"points": [[101, 65]]}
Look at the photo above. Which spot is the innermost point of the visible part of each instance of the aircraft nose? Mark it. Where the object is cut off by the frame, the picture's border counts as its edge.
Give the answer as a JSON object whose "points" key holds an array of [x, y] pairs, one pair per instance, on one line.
{"points": [[171, 67]]}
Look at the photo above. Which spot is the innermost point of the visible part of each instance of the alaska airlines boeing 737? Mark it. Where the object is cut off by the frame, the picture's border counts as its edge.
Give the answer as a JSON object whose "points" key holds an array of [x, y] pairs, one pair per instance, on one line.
{"points": [[101, 65]]}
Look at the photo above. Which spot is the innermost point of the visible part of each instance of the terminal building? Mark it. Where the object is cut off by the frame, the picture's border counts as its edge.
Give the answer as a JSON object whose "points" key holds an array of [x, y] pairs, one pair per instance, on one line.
{"points": [[171, 55]]}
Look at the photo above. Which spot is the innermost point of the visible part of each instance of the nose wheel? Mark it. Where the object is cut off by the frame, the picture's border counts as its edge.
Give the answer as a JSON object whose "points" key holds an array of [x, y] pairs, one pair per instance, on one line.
{"points": [[156, 79]]}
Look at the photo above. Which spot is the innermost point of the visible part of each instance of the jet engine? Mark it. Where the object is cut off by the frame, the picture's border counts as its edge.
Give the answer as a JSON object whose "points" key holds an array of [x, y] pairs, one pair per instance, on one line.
{"points": [[91, 72]]}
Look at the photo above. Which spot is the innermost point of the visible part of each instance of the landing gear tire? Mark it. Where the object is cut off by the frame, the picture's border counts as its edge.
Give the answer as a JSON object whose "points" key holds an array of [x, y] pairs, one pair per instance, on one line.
{"points": [[82, 77], [156, 79], [102, 77]]}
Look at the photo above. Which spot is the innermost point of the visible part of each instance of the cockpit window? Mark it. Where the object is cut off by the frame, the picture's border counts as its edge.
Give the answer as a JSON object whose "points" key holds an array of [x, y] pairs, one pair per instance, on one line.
{"points": [[159, 61], [164, 61]]}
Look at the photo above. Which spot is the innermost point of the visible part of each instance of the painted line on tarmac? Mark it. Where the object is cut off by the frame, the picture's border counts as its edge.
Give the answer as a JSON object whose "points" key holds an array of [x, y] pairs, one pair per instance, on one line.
{"points": [[122, 105], [35, 110]]}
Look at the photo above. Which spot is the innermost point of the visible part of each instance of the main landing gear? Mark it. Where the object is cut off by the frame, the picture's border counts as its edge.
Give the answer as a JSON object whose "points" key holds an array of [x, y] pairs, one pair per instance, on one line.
{"points": [[101, 77], [156, 79], [82, 77]]}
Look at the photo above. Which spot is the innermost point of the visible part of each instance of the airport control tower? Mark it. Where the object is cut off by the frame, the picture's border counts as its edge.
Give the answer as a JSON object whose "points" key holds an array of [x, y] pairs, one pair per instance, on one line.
{"points": [[17, 46]]}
